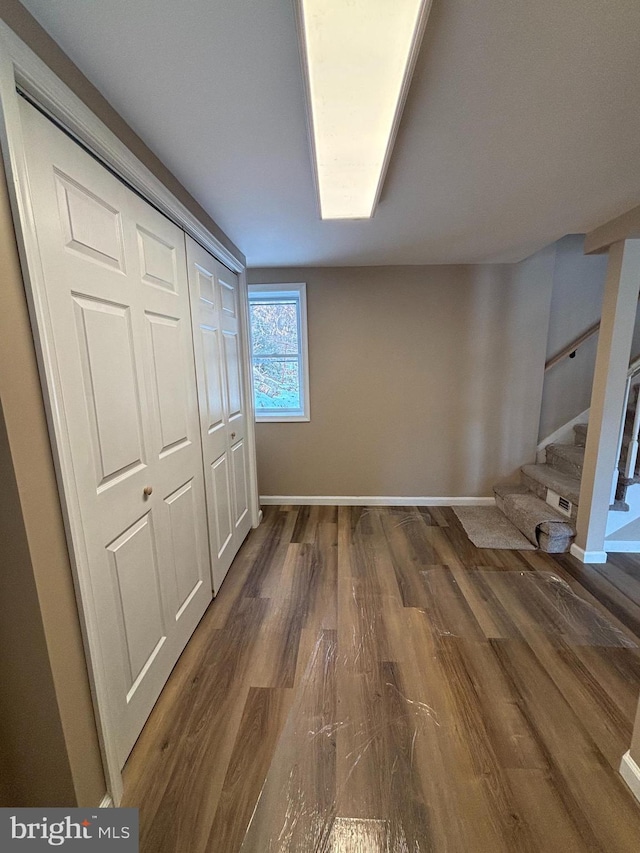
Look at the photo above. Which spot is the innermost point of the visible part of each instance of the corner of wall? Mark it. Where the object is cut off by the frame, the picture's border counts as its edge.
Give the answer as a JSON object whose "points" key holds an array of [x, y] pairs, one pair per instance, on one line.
{"points": [[537, 271], [36, 768]]}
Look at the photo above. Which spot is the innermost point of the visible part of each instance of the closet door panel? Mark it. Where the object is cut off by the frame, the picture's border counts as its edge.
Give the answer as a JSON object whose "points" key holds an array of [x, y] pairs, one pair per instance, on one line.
{"points": [[107, 361], [221, 496], [241, 506], [158, 260], [91, 227], [232, 363], [134, 565], [212, 379], [156, 246], [214, 301], [214, 420], [229, 284], [185, 547], [170, 392], [116, 300]]}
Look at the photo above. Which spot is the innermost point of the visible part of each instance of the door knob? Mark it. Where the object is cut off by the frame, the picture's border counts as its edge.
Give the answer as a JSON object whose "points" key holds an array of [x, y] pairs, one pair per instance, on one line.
{"points": [[148, 490], [233, 435]]}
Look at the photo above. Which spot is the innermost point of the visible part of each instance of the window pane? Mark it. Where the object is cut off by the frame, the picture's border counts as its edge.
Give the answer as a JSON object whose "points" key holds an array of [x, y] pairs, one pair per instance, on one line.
{"points": [[276, 383], [274, 328]]}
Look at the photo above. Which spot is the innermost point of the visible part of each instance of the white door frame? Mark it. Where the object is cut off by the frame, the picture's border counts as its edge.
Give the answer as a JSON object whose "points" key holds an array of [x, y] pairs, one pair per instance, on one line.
{"points": [[21, 68]]}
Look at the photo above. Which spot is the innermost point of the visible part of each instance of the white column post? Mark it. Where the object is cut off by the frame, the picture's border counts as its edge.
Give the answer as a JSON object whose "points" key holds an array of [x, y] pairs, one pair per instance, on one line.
{"points": [[607, 399]]}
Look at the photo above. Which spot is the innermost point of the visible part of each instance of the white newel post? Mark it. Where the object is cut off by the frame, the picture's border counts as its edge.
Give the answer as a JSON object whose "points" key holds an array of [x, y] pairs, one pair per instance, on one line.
{"points": [[607, 399]]}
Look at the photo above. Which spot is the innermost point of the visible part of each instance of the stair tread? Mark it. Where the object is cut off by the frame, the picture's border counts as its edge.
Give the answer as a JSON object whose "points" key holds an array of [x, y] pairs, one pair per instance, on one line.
{"points": [[564, 484], [571, 452], [536, 506], [630, 481]]}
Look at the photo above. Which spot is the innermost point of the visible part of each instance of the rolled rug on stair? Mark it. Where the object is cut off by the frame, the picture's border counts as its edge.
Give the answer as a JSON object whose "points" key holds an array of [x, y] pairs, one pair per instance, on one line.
{"points": [[540, 523]]}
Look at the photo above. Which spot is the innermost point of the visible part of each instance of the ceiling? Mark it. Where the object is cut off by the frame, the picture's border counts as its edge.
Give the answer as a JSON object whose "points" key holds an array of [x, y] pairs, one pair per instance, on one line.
{"points": [[522, 122]]}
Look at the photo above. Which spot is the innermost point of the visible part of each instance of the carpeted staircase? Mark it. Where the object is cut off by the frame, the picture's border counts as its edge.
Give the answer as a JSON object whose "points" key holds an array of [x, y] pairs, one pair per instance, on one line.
{"points": [[525, 503]]}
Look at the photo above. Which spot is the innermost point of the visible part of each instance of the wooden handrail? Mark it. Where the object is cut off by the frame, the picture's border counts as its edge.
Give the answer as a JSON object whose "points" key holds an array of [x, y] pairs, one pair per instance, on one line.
{"points": [[573, 346]]}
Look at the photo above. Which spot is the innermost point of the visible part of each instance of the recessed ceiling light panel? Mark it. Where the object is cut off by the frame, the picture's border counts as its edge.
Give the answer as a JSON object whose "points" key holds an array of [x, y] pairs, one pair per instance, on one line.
{"points": [[358, 58]]}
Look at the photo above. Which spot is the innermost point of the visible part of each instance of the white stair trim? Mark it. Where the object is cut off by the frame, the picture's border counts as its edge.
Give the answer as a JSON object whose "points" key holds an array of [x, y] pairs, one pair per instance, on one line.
{"points": [[630, 772], [372, 500], [588, 556], [106, 802]]}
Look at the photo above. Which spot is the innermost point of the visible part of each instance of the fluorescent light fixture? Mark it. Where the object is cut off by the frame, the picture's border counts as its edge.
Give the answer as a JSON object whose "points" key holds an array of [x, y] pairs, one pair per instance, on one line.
{"points": [[358, 57]]}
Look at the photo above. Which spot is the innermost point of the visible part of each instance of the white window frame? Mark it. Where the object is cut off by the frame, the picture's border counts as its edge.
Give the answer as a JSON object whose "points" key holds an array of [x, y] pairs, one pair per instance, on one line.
{"points": [[283, 291]]}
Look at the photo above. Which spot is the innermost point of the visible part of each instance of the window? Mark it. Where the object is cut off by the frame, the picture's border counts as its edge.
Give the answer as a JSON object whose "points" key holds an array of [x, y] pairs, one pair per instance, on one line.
{"points": [[279, 356]]}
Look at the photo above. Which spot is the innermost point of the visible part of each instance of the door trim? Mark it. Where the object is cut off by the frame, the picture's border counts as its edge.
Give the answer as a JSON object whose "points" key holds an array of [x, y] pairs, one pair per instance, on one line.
{"points": [[21, 68]]}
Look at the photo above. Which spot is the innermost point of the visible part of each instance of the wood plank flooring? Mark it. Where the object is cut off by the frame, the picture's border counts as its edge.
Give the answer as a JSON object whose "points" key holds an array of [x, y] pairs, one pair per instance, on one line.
{"points": [[368, 680]]}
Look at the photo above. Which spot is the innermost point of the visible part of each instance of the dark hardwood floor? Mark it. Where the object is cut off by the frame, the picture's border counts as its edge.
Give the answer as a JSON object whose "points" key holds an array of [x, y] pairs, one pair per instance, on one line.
{"points": [[367, 681]]}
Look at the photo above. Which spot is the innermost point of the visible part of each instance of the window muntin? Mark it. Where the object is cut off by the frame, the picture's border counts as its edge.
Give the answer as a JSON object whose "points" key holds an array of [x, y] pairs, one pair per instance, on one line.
{"points": [[278, 323]]}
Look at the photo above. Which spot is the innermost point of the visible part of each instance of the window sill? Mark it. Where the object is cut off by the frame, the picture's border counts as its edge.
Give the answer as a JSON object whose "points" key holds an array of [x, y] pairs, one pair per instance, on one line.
{"points": [[282, 419]]}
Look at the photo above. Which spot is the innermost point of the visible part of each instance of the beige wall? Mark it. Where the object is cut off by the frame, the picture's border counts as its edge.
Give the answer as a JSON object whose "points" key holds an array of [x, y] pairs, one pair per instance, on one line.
{"points": [[48, 716], [36, 768], [425, 381]]}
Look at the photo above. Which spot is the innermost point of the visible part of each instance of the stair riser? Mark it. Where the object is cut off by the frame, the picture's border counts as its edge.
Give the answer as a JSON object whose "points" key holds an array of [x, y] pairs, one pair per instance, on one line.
{"points": [[557, 548], [564, 465], [541, 492]]}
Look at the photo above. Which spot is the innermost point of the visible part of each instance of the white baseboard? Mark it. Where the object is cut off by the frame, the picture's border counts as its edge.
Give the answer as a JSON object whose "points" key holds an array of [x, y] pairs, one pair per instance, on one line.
{"points": [[563, 435], [620, 546], [588, 556], [372, 500], [630, 772], [106, 802]]}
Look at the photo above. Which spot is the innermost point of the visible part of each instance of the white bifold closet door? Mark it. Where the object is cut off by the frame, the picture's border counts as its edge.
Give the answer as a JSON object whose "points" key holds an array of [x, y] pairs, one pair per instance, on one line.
{"points": [[215, 308], [120, 341]]}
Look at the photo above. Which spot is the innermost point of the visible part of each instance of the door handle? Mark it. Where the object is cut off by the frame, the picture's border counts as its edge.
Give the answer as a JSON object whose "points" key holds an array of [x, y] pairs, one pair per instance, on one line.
{"points": [[233, 435], [148, 490]]}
